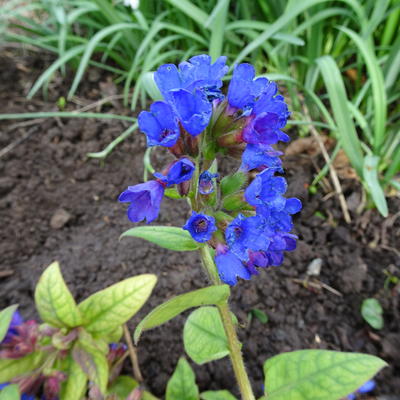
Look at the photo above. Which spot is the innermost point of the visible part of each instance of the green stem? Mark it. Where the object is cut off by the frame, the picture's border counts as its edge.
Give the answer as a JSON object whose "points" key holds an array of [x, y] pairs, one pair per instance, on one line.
{"points": [[235, 351]]}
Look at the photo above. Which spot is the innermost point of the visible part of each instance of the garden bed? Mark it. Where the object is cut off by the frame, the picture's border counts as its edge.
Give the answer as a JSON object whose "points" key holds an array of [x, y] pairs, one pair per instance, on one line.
{"points": [[55, 204]]}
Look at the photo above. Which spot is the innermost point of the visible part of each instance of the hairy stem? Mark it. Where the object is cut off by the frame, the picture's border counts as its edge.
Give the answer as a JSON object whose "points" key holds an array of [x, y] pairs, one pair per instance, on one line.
{"points": [[132, 353], [235, 352]]}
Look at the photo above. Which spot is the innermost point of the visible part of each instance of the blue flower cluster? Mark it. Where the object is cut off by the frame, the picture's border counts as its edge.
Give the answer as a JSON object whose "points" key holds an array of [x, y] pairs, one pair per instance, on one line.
{"points": [[196, 120]]}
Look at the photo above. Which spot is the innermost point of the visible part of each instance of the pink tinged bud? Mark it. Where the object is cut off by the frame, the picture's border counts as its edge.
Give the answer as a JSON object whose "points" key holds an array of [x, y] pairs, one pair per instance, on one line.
{"points": [[183, 188], [22, 342], [231, 138], [52, 386]]}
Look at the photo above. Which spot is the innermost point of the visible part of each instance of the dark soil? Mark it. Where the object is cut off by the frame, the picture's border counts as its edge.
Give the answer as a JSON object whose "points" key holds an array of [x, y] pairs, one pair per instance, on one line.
{"points": [[56, 204]]}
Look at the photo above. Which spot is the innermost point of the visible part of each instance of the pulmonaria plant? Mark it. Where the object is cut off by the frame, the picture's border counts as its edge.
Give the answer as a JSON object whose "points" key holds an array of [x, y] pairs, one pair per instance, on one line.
{"points": [[245, 218], [240, 222]]}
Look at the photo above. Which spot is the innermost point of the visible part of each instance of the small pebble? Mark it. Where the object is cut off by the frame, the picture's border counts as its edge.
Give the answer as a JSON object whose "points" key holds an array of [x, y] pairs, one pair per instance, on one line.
{"points": [[60, 218], [314, 268]]}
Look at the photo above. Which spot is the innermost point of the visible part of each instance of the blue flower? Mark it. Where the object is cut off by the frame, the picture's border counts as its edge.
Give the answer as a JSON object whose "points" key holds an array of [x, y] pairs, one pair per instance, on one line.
{"points": [[260, 156], [193, 110], [244, 89], [206, 184], [160, 125], [229, 266], [269, 116], [145, 200], [366, 388], [179, 171], [16, 321], [267, 189], [244, 234], [197, 73], [200, 226]]}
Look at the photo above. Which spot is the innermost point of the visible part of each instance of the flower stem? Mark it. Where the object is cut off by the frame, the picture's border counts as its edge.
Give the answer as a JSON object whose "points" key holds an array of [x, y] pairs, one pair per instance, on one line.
{"points": [[132, 353], [235, 352]]}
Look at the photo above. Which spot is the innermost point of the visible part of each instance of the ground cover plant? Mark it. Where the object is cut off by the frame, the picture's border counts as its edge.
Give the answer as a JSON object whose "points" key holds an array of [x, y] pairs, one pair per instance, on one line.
{"points": [[338, 59], [197, 123]]}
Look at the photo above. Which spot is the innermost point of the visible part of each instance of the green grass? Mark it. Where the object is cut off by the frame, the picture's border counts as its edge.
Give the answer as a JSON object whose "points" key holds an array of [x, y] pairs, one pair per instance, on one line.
{"points": [[340, 59]]}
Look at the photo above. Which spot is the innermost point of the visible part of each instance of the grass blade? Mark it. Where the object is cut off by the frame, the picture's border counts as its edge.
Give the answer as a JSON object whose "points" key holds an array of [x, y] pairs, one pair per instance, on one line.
{"points": [[371, 180], [338, 99], [378, 86]]}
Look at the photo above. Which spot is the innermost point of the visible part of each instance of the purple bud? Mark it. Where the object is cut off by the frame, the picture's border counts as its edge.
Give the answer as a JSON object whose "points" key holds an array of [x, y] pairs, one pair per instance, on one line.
{"points": [[206, 184]]}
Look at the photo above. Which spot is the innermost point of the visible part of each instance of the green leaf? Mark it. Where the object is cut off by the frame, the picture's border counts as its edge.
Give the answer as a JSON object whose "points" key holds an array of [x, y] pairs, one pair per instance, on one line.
{"points": [[182, 384], [370, 174], [173, 307], [11, 368], [371, 310], [260, 315], [5, 320], [318, 374], [10, 392], [234, 202], [54, 301], [93, 363], [169, 237], [204, 336], [122, 386], [112, 337], [74, 387], [232, 183], [107, 309], [217, 395]]}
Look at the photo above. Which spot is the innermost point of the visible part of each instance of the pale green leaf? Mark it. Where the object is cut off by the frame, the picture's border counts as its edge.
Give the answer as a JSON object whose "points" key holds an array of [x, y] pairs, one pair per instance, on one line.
{"points": [[93, 363], [54, 301], [318, 374], [10, 368], [372, 311], [107, 309], [10, 392], [169, 237], [204, 336], [122, 386], [217, 395], [74, 386], [182, 384], [5, 320], [173, 307]]}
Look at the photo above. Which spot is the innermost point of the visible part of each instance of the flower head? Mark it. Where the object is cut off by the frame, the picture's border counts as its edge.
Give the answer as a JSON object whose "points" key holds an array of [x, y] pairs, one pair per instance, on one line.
{"points": [[244, 89], [196, 73], [145, 200], [206, 184], [260, 156], [244, 234], [193, 109], [267, 189], [200, 226], [160, 125], [179, 171], [229, 266]]}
